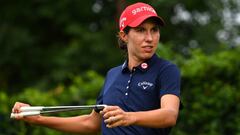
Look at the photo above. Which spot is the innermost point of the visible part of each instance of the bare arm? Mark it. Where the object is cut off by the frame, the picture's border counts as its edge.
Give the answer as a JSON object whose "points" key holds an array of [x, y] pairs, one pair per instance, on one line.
{"points": [[79, 124], [166, 116], [160, 118]]}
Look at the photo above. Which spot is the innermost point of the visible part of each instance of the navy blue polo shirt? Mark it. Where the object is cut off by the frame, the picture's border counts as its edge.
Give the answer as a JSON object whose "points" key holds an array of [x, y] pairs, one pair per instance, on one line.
{"points": [[139, 90]]}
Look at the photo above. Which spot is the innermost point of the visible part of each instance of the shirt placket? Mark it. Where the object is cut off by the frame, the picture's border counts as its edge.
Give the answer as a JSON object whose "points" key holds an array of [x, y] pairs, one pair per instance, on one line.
{"points": [[127, 90]]}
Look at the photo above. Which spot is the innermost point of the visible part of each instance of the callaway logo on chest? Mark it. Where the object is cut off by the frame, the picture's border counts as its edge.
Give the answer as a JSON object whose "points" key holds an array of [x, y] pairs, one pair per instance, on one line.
{"points": [[145, 84]]}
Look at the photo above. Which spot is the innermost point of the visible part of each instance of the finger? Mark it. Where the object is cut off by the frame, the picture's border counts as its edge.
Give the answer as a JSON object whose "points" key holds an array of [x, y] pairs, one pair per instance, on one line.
{"points": [[102, 112], [110, 108], [113, 119], [17, 106], [112, 125], [112, 113], [18, 117], [110, 120], [117, 122]]}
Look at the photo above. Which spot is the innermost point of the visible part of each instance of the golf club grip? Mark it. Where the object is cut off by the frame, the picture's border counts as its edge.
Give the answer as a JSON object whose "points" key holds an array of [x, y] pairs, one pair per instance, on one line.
{"points": [[22, 114], [31, 108]]}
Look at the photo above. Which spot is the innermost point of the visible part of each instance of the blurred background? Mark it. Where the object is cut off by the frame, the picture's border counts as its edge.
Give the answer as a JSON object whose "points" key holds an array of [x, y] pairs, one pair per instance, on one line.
{"points": [[58, 53]]}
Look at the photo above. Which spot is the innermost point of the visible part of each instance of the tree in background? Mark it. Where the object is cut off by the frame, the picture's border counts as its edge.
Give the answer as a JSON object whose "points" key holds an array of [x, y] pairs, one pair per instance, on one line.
{"points": [[64, 48], [42, 43]]}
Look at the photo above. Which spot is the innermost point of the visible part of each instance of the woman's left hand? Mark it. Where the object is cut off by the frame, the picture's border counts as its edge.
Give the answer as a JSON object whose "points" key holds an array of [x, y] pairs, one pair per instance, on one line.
{"points": [[114, 116]]}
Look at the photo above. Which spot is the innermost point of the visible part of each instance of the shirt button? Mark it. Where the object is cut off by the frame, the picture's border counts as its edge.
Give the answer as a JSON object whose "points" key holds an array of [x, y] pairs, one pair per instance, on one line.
{"points": [[127, 87], [126, 93], [129, 81]]}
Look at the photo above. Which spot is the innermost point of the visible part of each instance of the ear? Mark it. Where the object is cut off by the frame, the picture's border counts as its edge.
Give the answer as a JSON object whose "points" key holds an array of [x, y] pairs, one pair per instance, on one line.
{"points": [[123, 36]]}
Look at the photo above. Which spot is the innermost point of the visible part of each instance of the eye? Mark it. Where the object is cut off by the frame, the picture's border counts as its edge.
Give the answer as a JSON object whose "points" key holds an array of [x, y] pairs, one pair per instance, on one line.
{"points": [[140, 29], [155, 29]]}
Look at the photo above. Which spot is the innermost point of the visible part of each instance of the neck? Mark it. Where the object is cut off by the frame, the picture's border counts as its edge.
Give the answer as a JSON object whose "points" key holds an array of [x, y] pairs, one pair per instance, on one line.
{"points": [[133, 62]]}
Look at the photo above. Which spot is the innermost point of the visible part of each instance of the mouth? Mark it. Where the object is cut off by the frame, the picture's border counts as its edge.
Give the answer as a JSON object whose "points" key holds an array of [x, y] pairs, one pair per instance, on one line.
{"points": [[147, 48]]}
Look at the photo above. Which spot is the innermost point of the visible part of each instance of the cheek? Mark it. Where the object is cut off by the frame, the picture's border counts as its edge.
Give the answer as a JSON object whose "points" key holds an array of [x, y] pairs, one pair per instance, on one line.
{"points": [[135, 41], [156, 39]]}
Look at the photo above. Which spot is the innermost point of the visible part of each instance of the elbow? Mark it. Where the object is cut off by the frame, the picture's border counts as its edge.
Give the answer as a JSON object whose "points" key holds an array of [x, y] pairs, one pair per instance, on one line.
{"points": [[171, 120]]}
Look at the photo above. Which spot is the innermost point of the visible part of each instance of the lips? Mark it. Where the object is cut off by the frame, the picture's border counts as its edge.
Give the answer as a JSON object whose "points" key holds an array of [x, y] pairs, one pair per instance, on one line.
{"points": [[147, 49]]}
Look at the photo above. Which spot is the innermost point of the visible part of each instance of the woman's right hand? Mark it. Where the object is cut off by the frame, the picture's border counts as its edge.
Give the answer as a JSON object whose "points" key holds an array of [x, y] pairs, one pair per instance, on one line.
{"points": [[16, 109]]}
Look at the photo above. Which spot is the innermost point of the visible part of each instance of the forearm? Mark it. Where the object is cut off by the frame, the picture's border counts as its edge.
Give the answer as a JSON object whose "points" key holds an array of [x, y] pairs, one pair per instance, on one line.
{"points": [[159, 118], [78, 124]]}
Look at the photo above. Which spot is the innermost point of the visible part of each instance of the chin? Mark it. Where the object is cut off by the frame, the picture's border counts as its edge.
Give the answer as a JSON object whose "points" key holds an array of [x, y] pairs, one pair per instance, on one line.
{"points": [[147, 56]]}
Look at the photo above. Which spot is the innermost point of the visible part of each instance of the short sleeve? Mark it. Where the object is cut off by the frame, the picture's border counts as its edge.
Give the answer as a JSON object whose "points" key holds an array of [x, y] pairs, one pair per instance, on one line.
{"points": [[170, 81]]}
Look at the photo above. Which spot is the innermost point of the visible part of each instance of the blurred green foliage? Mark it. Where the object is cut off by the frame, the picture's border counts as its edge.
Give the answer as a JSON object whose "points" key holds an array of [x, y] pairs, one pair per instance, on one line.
{"points": [[58, 52], [82, 91], [210, 94]]}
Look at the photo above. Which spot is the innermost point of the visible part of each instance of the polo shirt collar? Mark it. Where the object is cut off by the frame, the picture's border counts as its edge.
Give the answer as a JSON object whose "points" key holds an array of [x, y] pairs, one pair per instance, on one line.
{"points": [[143, 66]]}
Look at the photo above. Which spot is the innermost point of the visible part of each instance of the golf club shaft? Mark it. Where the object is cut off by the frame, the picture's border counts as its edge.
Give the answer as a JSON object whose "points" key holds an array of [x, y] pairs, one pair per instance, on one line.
{"points": [[43, 108]]}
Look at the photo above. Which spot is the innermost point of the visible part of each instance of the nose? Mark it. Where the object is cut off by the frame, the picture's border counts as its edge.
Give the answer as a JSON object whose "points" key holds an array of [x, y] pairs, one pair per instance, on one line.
{"points": [[148, 36]]}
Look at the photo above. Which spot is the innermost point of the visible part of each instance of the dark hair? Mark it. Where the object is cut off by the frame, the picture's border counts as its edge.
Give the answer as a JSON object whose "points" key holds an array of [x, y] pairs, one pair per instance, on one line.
{"points": [[122, 44]]}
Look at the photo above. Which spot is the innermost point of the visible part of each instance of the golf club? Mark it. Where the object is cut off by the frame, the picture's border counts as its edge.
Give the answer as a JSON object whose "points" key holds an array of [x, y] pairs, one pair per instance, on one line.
{"points": [[37, 110]]}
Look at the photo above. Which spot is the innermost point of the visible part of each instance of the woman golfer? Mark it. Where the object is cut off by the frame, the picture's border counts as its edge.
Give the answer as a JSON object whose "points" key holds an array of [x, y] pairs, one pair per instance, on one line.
{"points": [[142, 95]]}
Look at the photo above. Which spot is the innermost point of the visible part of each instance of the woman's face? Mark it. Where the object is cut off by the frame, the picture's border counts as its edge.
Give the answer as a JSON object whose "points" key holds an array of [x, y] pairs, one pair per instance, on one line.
{"points": [[142, 40]]}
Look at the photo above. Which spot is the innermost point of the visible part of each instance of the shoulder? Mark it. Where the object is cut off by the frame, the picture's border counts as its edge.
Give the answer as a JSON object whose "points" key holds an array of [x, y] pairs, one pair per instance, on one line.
{"points": [[163, 65], [114, 70]]}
